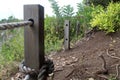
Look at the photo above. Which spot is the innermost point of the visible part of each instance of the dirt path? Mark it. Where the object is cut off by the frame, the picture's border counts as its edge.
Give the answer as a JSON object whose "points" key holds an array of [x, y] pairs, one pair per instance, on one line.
{"points": [[83, 62]]}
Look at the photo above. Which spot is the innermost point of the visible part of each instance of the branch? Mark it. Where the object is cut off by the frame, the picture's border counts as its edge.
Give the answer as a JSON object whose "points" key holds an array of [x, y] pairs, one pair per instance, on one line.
{"points": [[117, 66], [105, 70], [115, 57], [104, 62], [117, 71], [103, 76]]}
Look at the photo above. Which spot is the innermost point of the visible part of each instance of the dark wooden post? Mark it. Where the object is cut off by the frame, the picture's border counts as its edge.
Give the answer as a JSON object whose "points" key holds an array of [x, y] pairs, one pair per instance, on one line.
{"points": [[66, 35], [34, 36]]}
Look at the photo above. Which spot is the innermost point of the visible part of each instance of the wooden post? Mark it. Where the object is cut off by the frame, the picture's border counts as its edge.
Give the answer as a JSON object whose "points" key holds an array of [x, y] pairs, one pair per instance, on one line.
{"points": [[34, 36], [66, 35]]}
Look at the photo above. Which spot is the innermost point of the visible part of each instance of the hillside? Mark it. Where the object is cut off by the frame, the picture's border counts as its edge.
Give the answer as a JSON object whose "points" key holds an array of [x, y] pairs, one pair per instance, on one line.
{"points": [[95, 57], [85, 61]]}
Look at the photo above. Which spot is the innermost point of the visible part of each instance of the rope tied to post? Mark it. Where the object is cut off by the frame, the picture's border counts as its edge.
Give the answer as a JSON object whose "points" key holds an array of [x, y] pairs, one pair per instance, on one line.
{"points": [[13, 25], [45, 71]]}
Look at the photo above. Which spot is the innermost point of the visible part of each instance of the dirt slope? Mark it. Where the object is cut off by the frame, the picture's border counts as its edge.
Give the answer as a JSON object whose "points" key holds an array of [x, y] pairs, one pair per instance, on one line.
{"points": [[82, 62]]}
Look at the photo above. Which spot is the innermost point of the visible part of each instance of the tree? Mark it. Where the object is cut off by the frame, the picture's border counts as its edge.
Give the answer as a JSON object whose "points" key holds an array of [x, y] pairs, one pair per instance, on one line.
{"points": [[104, 3], [56, 8], [62, 13], [67, 11], [84, 15], [10, 19], [59, 19]]}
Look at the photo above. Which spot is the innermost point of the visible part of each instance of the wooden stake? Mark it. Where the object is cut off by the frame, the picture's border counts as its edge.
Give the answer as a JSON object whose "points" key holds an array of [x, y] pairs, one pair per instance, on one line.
{"points": [[66, 35]]}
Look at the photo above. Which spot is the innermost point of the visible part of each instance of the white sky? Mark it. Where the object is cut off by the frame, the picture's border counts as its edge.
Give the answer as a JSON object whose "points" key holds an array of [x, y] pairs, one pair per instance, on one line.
{"points": [[15, 7]]}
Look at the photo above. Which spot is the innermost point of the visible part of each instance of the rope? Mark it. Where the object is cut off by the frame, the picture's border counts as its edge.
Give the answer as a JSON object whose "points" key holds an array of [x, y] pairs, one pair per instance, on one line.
{"points": [[45, 71], [13, 25], [27, 77]]}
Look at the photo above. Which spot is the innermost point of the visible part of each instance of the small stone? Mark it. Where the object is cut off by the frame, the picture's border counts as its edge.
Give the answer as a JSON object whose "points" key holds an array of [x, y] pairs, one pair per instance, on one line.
{"points": [[58, 58], [91, 79], [63, 59], [74, 57], [111, 45], [114, 41]]}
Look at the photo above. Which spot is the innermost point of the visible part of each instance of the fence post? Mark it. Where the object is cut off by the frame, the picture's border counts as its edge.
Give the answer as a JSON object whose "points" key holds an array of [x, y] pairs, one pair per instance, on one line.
{"points": [[34, 36], [66, 35]]}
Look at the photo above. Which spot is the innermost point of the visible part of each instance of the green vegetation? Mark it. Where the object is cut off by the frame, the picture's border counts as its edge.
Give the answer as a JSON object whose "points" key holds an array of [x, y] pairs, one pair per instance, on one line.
{"points": [[112, 78], [84, 15], [103, 3], [105, 18], [52, 41], [12, 49], [109, 19], [12, 43]]}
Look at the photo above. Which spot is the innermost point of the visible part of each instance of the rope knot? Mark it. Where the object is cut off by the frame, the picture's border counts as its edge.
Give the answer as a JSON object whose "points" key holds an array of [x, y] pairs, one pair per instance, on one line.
{"points": [[45, 71]]}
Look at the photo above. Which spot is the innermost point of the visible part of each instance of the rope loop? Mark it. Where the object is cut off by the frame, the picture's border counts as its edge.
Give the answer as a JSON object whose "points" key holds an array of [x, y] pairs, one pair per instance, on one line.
{"points": [[45, 71]]}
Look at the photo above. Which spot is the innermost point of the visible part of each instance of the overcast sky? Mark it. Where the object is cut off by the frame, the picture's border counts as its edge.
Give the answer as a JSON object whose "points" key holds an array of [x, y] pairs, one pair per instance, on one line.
{"points": [[15, 7]]}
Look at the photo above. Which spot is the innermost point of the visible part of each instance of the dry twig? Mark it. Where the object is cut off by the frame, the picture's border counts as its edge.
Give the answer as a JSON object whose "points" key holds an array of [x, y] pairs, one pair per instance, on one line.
{"points": [[117, 71], [115, 57], [103, 76], [70, 74], [104, 62], [117, 66]]}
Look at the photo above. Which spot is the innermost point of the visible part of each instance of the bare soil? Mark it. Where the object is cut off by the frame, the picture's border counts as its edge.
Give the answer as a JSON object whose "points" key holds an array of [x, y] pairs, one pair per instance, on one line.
{"points": [[83, 61]]}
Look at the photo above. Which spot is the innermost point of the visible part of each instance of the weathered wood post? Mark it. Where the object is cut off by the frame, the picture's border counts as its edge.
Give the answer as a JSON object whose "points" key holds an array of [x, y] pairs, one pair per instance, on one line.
{"points": [[66, 35], [34, 36]]}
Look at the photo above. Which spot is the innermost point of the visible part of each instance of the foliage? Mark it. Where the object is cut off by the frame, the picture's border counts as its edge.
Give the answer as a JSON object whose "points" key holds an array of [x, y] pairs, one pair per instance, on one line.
{"points": [[56, 8], [10, 19], [62, 14], [103, 3], [12, 49], [109, 19], [84, 16], [52, 41], [67, 11], [54, 26], [112, 77], [58, 18]]}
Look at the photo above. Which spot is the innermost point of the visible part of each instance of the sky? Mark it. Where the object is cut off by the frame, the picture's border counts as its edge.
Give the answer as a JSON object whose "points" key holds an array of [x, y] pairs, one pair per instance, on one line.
{"points": [[15, 7]]}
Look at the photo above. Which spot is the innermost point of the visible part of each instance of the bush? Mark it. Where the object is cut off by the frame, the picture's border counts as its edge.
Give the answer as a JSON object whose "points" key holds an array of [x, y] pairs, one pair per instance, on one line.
{"points": [[52, 35], [109, 19], [85, 15], [13, 47]]}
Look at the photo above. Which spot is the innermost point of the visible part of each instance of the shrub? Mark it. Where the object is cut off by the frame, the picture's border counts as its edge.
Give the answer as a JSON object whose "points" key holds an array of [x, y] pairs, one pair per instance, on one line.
{"points": [[109, 19], [12, 48], [52, 36], [84, 15]]}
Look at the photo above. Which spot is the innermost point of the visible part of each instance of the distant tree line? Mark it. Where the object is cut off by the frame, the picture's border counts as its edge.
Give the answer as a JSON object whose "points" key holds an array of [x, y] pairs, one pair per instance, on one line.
{"points": [[10, 19]]}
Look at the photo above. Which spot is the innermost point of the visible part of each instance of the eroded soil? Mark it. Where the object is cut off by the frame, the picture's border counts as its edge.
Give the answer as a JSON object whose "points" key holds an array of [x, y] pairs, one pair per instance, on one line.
{"points": [[82, 62]]}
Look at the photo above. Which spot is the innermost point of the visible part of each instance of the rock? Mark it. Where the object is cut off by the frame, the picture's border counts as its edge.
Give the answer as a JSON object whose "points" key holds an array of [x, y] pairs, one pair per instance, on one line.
{"points": [[91, 79]]}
